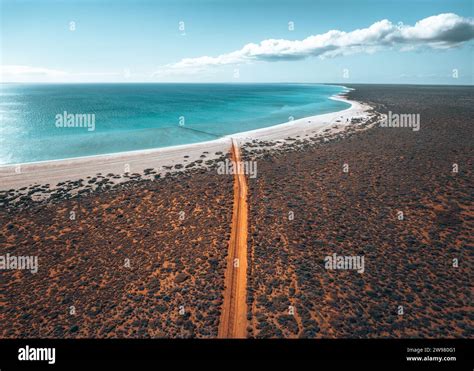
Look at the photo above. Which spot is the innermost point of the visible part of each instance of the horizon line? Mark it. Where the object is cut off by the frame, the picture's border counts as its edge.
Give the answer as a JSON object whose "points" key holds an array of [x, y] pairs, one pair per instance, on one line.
{"points": [[220, 82]]}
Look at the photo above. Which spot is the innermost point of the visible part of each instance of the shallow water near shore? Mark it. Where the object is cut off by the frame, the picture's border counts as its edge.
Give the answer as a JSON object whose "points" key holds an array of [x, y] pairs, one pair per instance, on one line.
{"points": [[130, 117]]}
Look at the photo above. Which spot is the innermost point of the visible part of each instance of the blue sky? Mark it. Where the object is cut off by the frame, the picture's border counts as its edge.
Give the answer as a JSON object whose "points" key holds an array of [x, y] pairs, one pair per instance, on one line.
{"points": [[120, 41]]}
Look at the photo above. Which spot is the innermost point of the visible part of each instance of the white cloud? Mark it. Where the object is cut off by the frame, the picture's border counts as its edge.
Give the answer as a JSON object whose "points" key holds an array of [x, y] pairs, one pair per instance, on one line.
{"points": [[12, 71], [20, 73], [438, 32]]}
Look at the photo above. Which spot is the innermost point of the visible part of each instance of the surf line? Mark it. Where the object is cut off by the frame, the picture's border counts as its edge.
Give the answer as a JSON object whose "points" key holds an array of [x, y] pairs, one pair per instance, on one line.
{"points": [[199, 131], [233, 320]]}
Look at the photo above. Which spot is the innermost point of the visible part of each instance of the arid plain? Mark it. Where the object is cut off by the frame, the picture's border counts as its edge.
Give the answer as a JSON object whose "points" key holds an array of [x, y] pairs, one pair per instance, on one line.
{"points": [[148, 256]]}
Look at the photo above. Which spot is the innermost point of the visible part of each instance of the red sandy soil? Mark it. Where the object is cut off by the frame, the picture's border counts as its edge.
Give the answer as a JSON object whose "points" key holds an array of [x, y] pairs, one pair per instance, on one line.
{"points": [[174, 263], [408, 262]]}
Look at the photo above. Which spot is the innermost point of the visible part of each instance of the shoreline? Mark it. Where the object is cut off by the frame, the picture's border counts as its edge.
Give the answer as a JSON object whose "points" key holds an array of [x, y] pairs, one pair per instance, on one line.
{"points": [[338, 97], [165, 159]]}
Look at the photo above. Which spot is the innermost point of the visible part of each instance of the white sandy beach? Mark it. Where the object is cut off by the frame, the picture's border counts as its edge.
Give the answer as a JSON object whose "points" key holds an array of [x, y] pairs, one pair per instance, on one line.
{"points": [[53, 172]]}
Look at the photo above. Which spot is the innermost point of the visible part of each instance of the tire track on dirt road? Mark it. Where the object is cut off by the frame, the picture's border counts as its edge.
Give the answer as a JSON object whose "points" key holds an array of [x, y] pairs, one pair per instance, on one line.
{"points": [[233, 321]]}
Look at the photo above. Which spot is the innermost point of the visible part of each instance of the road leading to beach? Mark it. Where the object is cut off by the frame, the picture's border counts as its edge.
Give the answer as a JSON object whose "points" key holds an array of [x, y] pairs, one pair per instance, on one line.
{"points": [[234, 311]]}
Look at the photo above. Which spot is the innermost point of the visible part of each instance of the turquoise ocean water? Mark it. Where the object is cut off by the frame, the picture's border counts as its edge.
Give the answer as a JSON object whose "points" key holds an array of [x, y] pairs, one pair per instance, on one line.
{"points": [[142, 116]]}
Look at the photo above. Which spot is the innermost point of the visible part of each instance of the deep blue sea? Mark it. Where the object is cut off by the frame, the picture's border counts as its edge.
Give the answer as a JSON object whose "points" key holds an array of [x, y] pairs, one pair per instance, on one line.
{"points": [[131, 117]]}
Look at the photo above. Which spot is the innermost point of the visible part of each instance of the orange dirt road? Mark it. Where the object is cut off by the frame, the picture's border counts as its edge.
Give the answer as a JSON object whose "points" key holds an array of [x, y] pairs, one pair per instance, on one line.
{"points": [[233, 321]]}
